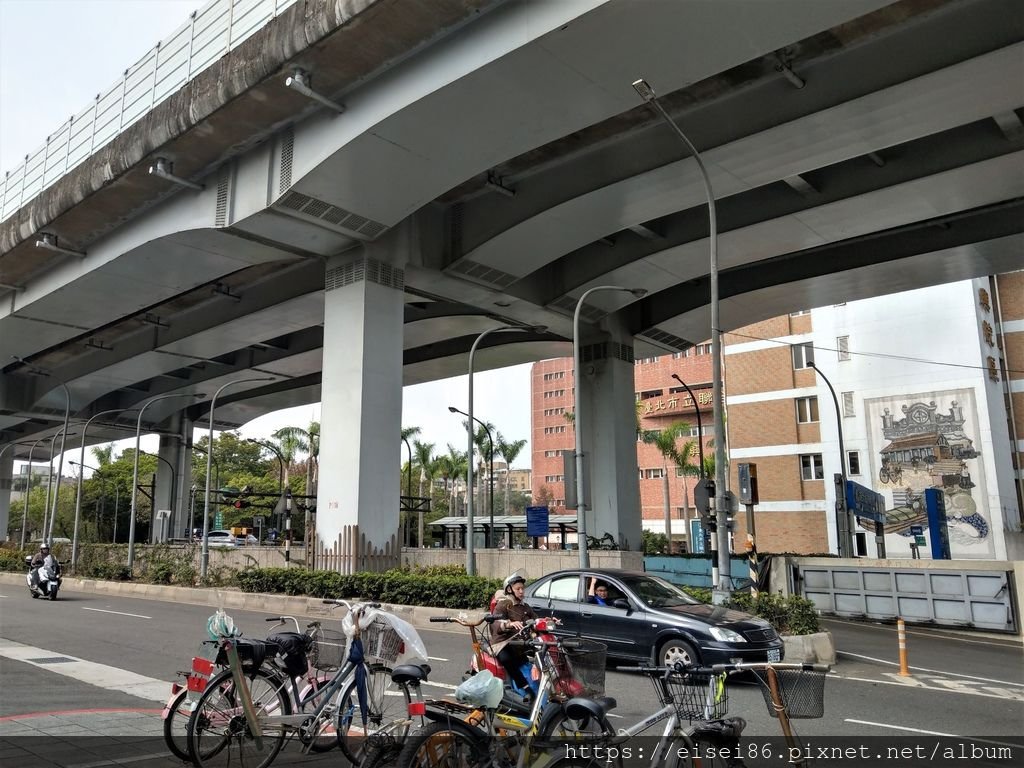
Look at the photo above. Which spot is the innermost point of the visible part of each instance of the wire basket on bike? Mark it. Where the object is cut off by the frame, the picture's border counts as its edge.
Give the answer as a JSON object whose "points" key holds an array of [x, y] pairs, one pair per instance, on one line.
{"points": [[695, 697], [581, 668], [802, 692], [327, 651], [381, 643]]}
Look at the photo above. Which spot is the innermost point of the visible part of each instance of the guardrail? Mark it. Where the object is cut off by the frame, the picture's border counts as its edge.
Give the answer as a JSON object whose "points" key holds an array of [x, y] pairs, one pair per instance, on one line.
{"points": [[210, 32]]}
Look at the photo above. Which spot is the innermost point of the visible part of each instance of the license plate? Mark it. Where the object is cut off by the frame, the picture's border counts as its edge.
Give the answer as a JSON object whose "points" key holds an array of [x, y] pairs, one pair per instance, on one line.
{"points": [[774, 654]]}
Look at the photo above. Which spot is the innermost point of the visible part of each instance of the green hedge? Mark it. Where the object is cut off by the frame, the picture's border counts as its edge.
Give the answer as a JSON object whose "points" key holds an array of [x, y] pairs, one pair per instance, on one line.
{"points": [[791, 615], [440, 587]]}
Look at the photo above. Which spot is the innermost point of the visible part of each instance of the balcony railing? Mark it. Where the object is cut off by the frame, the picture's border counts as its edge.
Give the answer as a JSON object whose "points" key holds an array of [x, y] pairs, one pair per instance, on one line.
{"points": [[209, 33]]}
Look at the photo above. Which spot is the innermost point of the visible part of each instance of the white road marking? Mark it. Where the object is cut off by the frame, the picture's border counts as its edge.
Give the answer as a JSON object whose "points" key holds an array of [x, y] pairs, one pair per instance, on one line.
{"points": [[99, 675], [944, 635], [119, 613], [909, 682], [120, 761], [436, 658], [929, 733], [943, 672], [446, 686]]}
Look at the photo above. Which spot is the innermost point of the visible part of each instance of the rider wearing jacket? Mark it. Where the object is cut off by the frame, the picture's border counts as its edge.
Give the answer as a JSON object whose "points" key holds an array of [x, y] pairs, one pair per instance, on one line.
{"points": [[512, 613], [38, 560]]}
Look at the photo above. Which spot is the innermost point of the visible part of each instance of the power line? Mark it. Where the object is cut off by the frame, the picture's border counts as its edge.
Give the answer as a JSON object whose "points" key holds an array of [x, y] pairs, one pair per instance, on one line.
{"points": [[884, 355]]}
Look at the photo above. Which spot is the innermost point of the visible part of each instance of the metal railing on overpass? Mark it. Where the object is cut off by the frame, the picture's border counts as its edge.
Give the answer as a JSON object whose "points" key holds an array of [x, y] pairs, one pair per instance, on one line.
{"points": [[210, 32]]}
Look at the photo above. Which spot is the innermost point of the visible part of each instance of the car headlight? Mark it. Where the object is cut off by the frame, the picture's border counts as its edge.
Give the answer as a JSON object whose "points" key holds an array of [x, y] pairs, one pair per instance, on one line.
{"points": [[727, 635]]}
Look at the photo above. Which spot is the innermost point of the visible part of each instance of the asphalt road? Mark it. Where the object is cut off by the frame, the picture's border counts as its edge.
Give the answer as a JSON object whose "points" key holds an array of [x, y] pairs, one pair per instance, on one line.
{"points": [[961, 685]]}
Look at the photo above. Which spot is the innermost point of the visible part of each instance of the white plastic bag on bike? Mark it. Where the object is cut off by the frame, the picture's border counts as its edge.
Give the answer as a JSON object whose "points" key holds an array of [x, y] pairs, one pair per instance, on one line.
{"points": [[480, 690]]}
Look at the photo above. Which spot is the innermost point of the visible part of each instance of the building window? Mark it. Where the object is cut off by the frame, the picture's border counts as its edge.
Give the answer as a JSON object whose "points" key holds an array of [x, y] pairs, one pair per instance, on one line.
{"points": [[676, 355], [848, 409], [646, 395], [703, 349], [800, 312], [853, 462], [806, 410], [554, 478], [552, 454], [654, 473], [554, 430], [843, 347], [811, 467], [803, 355], [555, 393]]}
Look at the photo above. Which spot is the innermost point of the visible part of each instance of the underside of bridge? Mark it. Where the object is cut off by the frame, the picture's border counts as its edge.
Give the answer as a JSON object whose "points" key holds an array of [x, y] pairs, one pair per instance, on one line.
{"points": [[496, 153]]}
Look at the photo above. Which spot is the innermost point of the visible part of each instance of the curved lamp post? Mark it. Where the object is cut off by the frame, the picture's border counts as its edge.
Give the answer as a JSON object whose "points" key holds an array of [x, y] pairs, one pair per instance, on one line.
{"points": [[408, 492], [28, 491], [174, 480], [470, 558], [280, 459], [490, 443], [78, 495], [577, 377], [50, 513], [721, 589], [205, 561], [844, 532], [135, 470]]}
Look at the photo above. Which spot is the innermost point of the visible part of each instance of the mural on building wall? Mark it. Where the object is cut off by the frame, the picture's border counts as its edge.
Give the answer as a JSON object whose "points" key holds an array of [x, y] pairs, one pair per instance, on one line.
{"points": [[926, 440]]}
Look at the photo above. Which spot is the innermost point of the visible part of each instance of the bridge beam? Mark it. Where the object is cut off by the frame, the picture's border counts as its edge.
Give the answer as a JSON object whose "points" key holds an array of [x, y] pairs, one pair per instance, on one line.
{"points": [[361, 415]]}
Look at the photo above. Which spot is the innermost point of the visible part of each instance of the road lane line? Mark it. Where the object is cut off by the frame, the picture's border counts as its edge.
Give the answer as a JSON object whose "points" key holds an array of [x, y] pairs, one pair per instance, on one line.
{"points": [[911, 683], [941, 634], [99, 675], [943, 672], [119, 613], [436, 658], [930, 733]]}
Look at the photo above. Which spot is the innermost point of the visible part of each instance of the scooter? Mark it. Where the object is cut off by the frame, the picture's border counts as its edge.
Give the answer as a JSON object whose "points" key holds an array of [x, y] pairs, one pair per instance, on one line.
{"points": [[48, 578]]}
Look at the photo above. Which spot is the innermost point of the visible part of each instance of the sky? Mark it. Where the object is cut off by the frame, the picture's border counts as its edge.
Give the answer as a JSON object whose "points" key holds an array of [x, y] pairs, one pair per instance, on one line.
{"points": [[56, 55]]}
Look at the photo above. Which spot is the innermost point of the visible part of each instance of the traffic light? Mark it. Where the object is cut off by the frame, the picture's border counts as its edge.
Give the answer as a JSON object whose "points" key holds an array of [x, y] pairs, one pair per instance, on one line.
{"points": [[242, 503]]}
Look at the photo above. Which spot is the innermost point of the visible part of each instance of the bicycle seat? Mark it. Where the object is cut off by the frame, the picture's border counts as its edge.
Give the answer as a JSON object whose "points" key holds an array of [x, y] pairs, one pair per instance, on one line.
{"points": [[584, 709], [404, 674]]}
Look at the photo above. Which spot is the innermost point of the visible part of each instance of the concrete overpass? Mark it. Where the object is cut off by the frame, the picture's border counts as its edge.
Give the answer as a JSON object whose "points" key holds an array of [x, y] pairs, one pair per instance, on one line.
{"points": [[492, 162]]}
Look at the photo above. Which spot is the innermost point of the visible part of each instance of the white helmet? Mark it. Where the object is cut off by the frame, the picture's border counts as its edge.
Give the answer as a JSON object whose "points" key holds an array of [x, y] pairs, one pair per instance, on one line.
{"points": [[515, 578]]}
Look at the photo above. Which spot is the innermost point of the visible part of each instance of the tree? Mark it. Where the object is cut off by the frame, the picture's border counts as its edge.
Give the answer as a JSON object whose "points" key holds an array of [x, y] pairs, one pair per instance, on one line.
{"points": [[509, 451], [304, 440], [666, 441]]}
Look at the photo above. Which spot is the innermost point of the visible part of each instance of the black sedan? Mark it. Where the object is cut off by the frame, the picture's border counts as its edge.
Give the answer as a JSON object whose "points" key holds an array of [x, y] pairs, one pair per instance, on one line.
{"points": [[645, 618]]}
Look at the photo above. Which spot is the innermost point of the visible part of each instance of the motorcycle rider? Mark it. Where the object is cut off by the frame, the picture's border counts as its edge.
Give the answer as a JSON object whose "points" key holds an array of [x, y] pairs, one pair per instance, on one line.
{"points": [[512, 613], [38, 560]]}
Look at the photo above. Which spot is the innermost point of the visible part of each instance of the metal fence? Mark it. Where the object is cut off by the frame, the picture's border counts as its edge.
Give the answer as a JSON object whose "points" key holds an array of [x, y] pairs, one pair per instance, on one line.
{"points": [[210, 32]]}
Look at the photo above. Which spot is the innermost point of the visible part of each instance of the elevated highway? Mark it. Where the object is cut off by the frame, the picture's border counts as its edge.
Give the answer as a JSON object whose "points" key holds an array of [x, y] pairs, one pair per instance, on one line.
{"points": [[492, 163]]}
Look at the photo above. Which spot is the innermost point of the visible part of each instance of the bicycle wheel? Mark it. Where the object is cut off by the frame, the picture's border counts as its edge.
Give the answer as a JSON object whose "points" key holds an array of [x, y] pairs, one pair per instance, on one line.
{"points": [[219, 735], [386, 702], [444, 745], [326, 737], [176, 715], [555, 725]]}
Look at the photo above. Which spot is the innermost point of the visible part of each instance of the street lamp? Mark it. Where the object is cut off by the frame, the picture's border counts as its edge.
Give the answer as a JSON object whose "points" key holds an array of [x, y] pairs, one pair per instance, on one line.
{"points": [[470, 560], [280, 458], [700, 447], [78, 495], [721, 589], [490, 465], [174, 481], [135, 470], [844, 534], [408, 493], [205, 561], [28, 491], [48, 526], [106, 482], [577, 376]]}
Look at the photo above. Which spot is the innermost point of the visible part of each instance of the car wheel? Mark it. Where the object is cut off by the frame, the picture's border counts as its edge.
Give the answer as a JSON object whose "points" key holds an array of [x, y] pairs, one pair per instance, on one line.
{"points": [[674, 651]]}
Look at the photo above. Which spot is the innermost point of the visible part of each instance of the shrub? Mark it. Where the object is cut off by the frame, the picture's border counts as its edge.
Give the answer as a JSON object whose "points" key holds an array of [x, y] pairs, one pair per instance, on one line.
{"points": [[792, 615], [12, 559]]}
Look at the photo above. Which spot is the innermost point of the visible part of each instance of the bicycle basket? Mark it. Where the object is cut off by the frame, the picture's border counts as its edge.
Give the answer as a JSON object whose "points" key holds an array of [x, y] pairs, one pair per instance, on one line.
{"points": [[697, 697], [327, 651], [580, 669], [381, 643], [802, 692]]}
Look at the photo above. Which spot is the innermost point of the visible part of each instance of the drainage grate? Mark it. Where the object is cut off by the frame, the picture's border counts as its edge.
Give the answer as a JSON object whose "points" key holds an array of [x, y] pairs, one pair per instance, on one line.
{"points": [[339, 218], [51, 660], [287, 155]]}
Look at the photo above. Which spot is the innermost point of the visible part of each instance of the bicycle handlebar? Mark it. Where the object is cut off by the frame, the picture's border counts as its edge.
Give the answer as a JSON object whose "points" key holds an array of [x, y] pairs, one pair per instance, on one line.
{"points": [[351, 606], [487, 618]]}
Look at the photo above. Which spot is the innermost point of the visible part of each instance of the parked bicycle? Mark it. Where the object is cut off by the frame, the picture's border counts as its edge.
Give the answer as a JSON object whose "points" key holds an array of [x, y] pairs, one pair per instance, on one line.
{"points": [[245, 714]]}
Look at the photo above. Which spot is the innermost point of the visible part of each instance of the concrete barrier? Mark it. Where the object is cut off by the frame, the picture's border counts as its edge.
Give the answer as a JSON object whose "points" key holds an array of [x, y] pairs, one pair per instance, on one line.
{"points": [[817, 648]]}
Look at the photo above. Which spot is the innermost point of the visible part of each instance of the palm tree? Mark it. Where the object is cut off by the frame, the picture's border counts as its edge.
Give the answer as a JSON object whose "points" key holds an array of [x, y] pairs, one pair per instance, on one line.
{"points": [[423, 455], [482, 443], [104, 454], [308, 441], [665, 440], [509, 451]]}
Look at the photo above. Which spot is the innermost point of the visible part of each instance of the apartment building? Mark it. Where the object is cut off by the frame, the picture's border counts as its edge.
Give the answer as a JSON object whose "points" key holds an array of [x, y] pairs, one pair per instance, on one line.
{"points": [[930, 393]]}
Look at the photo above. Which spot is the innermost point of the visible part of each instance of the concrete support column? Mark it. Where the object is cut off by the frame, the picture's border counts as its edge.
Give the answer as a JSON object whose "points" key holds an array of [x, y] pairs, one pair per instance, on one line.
{"points": [[609, 439], [6, 482], [361, 417], [167, 491], [180, 523]]}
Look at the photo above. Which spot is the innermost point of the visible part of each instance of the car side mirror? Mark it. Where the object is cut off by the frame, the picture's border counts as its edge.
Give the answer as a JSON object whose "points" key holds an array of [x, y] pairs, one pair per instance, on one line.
{"points": [[622, 603]]}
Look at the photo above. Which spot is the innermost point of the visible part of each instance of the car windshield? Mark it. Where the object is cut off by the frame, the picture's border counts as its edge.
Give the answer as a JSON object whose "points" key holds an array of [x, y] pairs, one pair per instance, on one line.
{"points": [[657, 593]]}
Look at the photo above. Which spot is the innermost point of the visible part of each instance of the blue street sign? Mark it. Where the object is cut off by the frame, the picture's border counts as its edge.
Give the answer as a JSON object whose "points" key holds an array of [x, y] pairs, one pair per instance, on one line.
{"points": [[537, 521], [864, 502], [696, 536], [935, 503]]}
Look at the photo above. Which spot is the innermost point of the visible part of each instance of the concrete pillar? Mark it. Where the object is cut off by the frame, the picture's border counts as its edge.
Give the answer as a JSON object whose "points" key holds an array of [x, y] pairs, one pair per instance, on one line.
{"points": [[181, 523], [361, 417], [6, 482], [609, 439], [169, 478]]}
